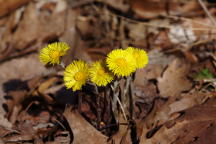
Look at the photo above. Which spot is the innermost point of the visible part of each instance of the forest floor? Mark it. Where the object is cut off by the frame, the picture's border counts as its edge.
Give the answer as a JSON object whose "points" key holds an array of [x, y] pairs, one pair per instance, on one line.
{"points": [[174, 95]]}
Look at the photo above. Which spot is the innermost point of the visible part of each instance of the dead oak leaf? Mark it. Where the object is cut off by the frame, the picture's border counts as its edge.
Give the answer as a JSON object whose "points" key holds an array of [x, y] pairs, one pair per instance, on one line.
{"points": [[163, 112], [174, 80], [83, 132], [196, 125]]}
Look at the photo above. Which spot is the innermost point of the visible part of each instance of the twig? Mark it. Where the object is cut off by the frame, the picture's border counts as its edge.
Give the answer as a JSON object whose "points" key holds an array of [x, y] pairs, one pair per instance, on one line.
{"points": [[190, 20], [207, 12]]}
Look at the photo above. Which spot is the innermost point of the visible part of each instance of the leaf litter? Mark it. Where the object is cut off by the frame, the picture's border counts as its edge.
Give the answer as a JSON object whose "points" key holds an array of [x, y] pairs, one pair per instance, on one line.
{"points": [[174, 96]]}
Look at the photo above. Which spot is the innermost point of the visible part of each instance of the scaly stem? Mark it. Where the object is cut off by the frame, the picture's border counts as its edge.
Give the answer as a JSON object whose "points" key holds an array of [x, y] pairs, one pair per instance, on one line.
{"points": [[124, 97], [115, 89], [115, 96], [131, 101], [98, 106], [122, 108]]}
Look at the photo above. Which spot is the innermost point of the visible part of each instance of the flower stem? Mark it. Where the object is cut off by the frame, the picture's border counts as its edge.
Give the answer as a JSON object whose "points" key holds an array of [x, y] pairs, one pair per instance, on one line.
{"points": [[115, 92], [124, 95], [122, 108]]}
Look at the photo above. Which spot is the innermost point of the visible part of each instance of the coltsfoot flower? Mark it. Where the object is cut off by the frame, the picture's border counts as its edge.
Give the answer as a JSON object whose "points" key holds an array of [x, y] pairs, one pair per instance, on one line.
{"points": [[76, 74], [139, 55], [99, 74], [52, 53], [121, 62]]}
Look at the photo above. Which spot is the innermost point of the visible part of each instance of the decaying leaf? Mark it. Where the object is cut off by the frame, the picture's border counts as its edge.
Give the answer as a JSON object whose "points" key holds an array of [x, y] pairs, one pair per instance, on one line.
{"points": [[4, 122], [10, 5], [195, 125], [35, 28], [123, 134], [155, 8], [165, 111], [83, 132], [158, 61], [174, 80]]}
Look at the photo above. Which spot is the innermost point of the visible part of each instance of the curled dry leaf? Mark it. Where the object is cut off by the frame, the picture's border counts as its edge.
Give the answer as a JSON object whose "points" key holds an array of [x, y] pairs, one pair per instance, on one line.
{"points": [[174, 80], [162, 112], [195, 125], [83, 132]]}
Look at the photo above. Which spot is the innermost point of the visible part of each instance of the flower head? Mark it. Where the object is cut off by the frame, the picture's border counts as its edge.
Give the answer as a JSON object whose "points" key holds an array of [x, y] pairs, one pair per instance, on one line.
{"points": [[121, 62], [76, 74], [52, 53], [99, 74], [139, 55]]}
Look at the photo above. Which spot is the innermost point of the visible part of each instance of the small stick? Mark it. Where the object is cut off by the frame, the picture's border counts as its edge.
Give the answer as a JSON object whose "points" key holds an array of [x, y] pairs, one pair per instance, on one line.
{"points": [[207, 12]]}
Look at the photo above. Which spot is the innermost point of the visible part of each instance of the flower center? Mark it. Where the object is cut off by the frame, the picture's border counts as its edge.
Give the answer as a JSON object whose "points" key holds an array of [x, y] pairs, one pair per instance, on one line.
{"points": [[79, 76], [101, 71], [121, 62], [55, 55]]}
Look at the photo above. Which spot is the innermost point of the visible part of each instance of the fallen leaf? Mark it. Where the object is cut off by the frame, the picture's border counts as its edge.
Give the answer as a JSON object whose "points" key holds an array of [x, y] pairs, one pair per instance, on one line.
{"points": [[158, 61], [195, 125], [35, 28], [4, 122], [123, 134], [154, 8], [10, 5], [174, 80], [83, 132]]}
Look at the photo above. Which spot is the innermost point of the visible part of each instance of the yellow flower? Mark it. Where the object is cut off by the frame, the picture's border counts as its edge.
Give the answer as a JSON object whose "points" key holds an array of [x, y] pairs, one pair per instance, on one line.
{"points": [[76, 74], [140, 56], [99, 74], [52, 53], [121, 62]]}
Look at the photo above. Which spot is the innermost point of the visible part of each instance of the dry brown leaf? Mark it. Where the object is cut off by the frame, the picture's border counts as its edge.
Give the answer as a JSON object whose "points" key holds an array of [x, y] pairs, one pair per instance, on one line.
{"points": [[117, 4], [155, 8], [174, 80], [44, 87], [4, 122], [10, 5], [162, 112], [35, 28], [123, 134], [158, 61], [7, 131], [19, 69], [195, 125], [83, 132], [73, 38], [18, 138]]}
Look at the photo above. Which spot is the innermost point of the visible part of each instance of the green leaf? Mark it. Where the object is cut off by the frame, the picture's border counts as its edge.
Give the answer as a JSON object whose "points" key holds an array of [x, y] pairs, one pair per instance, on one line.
{"points": [[204, 74]]}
